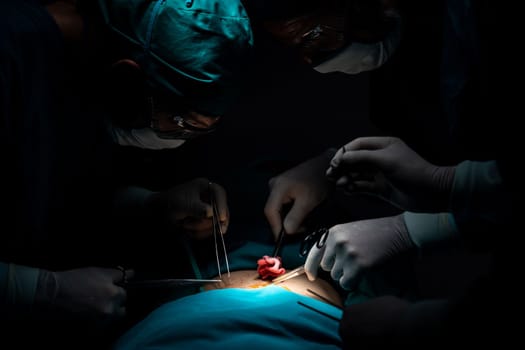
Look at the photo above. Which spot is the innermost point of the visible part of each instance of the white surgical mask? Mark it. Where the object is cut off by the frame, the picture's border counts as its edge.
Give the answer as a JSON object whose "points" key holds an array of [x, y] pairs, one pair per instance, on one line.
{"points": [[359, 57], [144, 138]]}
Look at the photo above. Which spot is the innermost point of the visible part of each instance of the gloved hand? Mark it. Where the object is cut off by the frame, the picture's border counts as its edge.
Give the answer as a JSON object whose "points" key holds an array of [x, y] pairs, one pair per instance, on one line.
{"points": [[188, 206], [387, 167], [352, 248], [93, 294], [304, 186]]}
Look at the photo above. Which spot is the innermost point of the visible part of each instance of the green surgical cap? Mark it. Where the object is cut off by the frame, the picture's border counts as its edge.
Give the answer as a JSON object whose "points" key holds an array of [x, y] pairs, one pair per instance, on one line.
{"points": [[195, 49]]}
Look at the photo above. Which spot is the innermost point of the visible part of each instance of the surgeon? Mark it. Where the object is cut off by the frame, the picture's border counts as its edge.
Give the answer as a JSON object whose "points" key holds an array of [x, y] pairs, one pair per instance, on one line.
{"points": [[64, 119]]}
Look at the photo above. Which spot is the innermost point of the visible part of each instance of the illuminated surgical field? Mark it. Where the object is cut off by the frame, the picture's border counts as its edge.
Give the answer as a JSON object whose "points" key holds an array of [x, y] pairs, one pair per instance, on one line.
{"points": [[250, 279]]}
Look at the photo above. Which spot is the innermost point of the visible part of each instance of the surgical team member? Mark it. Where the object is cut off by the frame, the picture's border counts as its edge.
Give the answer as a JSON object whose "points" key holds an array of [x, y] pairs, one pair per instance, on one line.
{"points": [[481, 197], [459, 88], [334, 37], [470, 202], [58, 152]]}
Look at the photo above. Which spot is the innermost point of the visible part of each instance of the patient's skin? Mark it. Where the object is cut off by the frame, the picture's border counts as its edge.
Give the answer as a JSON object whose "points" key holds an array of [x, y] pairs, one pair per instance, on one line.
{"points": [[249, 279]]}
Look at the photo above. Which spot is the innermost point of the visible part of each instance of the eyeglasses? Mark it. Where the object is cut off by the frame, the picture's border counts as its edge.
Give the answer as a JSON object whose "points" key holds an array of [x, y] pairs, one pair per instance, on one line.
{"points": [[182, 129], [169, 125], [317, 238]]}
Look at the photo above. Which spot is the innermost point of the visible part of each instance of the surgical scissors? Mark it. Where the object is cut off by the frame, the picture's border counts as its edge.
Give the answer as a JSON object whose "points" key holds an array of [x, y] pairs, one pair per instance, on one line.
{"points": [[318, 237], [217, 231]]}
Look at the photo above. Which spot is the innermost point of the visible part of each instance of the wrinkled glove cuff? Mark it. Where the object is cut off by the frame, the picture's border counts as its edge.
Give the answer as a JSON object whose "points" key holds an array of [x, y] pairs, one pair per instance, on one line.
{"points": [[430, 229], [21, 289], [47, 289]]}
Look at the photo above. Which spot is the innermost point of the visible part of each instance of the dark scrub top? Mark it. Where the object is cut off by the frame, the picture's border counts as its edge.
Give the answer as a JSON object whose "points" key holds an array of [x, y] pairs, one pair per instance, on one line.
{"points": [[53, 173], [31, 57]]}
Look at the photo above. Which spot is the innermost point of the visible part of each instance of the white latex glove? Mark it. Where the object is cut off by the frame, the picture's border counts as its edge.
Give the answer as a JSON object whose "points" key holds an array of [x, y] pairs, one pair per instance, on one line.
{"points": [[304, 186], [387, 167], [352, 248], [89, 293], [188, 206]]}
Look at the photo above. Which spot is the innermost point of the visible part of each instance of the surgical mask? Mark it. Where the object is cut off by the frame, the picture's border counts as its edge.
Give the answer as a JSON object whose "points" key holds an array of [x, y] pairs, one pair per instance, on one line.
{"points": [[359, 57], [144, 138]]}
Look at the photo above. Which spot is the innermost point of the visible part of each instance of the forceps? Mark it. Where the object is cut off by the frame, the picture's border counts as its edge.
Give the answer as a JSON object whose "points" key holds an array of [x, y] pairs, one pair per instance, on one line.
{"points": [[217, 231], [289, 275]]}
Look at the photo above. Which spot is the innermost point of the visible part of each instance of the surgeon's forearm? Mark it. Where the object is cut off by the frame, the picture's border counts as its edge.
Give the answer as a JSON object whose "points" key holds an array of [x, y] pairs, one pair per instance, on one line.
{"points": [[17, 289], [479, 192], [132, 200], [427, 230]]}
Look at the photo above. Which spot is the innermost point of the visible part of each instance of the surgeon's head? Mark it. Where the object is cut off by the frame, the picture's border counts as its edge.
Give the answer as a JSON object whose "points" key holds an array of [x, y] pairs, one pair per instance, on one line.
{"points": [[180, 66], [317, 33]]}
